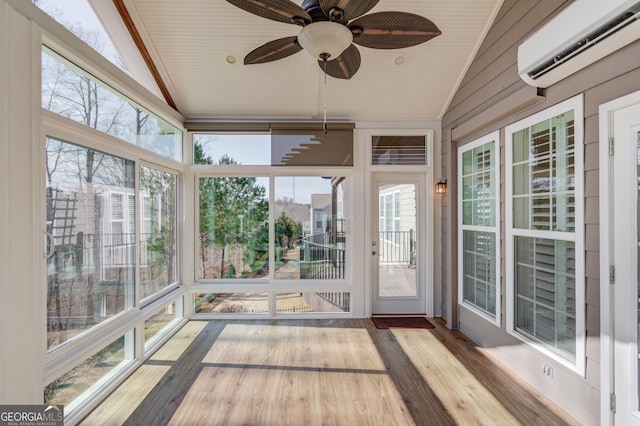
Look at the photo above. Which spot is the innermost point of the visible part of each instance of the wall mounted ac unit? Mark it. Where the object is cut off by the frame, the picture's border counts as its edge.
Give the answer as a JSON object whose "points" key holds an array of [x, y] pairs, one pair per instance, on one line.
{"points": [[582, 33]]}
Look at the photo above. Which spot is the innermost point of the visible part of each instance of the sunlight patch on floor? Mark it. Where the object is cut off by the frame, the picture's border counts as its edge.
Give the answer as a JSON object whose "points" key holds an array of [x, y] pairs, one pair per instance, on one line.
{"points": [[293, 375], [457, 388]]}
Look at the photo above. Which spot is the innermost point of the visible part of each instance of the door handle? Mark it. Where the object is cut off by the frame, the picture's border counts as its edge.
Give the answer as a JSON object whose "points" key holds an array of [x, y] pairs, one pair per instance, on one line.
{"points": [[52, 245], [373, 253]]}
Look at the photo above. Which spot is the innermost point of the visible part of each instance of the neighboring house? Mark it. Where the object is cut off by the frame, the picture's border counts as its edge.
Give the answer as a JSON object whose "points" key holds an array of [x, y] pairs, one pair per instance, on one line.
{"points": [[320, 214]]}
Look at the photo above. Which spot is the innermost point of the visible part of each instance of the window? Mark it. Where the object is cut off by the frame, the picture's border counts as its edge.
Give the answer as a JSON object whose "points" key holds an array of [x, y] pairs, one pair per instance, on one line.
{"points": [[117, 219], [212, 148], [147, 219], [398, 150], [110, 226], [281, 147], [272, 240], [159, 230], [545, 227], [479, 221], [316, 253], [73, 93], [233, 228], [390, 214], [161, 320], [74, 386], [91, 267], [79, 18], [388, 217]]}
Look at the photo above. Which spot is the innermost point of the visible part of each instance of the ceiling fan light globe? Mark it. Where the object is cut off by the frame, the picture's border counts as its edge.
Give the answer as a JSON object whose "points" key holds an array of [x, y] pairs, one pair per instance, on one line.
{"points": [[324, 38]]}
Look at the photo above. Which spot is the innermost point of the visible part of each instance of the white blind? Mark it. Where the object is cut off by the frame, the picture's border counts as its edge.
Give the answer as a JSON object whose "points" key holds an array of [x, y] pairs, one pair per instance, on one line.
{"points": [[396, 150]]}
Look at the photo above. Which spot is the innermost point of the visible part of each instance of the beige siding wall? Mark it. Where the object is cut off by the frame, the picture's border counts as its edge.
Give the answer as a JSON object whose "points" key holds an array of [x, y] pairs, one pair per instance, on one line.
{"points": [[493, 79]]}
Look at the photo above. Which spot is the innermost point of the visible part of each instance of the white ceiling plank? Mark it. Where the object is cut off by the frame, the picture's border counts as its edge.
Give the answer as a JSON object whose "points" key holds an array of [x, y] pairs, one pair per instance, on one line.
{"points": [[191, 39]]}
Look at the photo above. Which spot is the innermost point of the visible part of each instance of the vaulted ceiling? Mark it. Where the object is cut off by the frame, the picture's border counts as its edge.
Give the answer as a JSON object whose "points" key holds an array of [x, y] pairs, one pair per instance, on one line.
{"points": [[191, 42]]}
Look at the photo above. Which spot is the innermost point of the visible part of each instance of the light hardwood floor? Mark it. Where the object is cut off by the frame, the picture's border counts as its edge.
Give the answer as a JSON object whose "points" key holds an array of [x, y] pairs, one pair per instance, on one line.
{"points": [[322, 372]]}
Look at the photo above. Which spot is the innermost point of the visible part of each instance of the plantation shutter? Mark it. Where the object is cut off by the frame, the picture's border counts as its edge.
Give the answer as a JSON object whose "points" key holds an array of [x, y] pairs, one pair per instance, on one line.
{"points": [[544, 199]]}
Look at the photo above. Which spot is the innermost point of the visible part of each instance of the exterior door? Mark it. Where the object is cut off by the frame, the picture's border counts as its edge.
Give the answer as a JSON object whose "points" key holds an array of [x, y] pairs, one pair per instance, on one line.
{"points": [[625, 243], [397, 244]]}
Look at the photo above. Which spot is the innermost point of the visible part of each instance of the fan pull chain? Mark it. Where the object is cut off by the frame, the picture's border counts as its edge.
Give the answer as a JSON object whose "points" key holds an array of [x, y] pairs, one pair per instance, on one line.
{"points": [[324, 123]]}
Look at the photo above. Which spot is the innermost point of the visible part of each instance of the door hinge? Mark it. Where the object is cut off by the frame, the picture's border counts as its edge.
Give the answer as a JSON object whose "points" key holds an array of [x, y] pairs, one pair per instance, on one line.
{"points": [[612, 274], [612, 402], [611, 147]]}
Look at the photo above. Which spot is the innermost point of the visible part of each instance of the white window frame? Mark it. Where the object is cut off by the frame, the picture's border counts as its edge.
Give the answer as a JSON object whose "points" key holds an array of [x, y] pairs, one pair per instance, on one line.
{"points": [[65, 357], [495, 171], [274, 286], [151, 299], [577, 237]]}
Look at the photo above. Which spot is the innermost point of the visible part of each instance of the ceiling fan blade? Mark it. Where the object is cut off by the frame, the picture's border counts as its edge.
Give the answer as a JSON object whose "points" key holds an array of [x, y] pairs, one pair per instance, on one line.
{"points": [[352, 8], [345, 65], [273, 50], [277, 10], [393, 30]]}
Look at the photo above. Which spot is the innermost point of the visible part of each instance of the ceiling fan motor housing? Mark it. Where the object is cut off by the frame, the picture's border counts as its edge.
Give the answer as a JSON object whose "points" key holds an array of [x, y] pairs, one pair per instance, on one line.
{"points": [[325, 40]]}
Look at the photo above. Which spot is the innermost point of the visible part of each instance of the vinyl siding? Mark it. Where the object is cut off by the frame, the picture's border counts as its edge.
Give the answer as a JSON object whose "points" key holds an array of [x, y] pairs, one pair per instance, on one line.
{"points": [[491, 78]]}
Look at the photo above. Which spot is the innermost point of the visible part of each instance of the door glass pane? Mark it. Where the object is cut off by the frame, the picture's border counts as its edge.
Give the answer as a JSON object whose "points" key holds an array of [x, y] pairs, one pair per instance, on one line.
{"points": [[397, 242], [91, 267]]}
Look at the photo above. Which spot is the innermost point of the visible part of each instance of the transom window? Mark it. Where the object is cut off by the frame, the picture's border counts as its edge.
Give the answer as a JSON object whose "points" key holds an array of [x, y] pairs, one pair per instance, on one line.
{"points": [[72, 92], [545, 248], [277, 147]]}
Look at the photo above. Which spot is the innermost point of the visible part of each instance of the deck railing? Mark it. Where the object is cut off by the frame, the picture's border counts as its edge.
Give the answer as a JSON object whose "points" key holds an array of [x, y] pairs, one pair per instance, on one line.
{"points": [[398, 247], [320, 258], [338, 299]]}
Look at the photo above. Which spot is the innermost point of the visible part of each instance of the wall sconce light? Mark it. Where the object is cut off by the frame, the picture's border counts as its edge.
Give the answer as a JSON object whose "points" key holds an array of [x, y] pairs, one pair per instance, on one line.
{"points": [[441, 186]]}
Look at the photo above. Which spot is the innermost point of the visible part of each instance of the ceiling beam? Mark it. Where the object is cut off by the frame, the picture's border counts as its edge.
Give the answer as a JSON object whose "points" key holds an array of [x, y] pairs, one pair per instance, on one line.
{"points": [[137, 39]]}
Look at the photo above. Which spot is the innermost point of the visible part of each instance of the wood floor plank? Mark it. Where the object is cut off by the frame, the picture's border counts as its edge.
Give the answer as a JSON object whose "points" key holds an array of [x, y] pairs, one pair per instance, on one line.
{"points": [[320, 372], [517, 396], [464, 396]]}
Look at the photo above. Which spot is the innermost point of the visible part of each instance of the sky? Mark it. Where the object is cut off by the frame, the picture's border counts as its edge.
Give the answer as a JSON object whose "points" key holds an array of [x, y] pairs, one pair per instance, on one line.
{"points": [[79, 13], [253, 150], [256, 150]]}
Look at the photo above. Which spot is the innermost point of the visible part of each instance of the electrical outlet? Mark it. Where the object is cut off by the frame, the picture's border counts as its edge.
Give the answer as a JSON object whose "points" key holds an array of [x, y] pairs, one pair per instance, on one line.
{"points": [[547, 370]]}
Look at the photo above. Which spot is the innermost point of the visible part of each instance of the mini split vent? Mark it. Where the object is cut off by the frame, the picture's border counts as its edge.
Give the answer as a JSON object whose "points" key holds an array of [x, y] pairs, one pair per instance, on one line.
{"points": [[583, 33]]}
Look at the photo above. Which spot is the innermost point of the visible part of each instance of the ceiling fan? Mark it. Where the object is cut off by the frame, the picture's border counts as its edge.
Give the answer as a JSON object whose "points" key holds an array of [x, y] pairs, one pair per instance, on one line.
{"points": [[331, 27]]}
